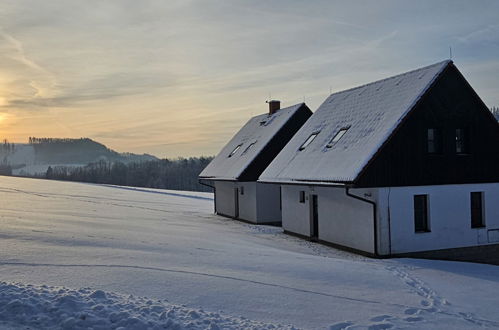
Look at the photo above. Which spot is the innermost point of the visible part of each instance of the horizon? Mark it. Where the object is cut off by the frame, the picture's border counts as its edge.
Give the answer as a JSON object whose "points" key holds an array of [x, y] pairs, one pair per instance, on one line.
{"points": [[179, 79]]}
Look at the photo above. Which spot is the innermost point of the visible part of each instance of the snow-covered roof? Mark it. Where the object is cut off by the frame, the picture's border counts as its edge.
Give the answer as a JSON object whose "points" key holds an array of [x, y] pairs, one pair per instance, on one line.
{"points": [[247, 144], [366, 116]]}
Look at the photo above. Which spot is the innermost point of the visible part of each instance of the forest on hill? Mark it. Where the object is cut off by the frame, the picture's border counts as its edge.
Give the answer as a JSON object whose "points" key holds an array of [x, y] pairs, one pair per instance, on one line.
{"points": [[176, 174], [82, 150], [86, 160]]}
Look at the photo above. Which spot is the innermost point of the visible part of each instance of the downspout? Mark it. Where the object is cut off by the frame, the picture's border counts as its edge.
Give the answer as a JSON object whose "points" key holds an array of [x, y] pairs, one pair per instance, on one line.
{"points": [[375, 221]]}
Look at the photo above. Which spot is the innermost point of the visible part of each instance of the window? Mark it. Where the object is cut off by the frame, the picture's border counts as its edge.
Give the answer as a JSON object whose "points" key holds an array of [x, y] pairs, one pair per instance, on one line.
{"points": [[337, 137], [235, 150], [309, 140], [476, 199], [462, 138], [434, 141], [249, 147], [302, 196], [241, 189], [421, 224]]}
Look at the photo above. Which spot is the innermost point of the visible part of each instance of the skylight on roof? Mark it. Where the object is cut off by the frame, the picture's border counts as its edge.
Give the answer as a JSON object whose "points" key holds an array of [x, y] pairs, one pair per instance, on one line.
{"points": [[235, 150], [337, 137], [249, 147], [309, 140]]}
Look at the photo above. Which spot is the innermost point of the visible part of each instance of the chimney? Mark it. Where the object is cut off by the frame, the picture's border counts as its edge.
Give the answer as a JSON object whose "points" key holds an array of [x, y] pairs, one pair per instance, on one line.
{"points": [[274, 105]]}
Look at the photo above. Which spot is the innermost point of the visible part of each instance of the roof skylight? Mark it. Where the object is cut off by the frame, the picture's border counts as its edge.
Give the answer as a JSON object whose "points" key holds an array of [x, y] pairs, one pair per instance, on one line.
{"points": [[235, 150], [249, 147], [309, 140], [337, 137]]}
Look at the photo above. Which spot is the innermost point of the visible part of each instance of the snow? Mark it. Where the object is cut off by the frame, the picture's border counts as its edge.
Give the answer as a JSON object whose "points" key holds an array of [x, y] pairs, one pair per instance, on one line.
{"points": [[370, 112], [255, 134], [110, 253], [57, 307]]}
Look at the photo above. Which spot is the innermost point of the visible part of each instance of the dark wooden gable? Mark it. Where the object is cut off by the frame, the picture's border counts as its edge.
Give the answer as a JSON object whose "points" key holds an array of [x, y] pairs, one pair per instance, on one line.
{"points": [[449, 104], [275, 145]]}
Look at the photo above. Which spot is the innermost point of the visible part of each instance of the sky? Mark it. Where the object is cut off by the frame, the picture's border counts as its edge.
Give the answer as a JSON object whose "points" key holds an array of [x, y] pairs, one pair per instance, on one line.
{"points": [[179, 78]]}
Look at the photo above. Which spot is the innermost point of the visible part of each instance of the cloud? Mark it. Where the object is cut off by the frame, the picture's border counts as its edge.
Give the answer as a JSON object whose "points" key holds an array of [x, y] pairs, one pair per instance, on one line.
{"points": [[180, 77]]}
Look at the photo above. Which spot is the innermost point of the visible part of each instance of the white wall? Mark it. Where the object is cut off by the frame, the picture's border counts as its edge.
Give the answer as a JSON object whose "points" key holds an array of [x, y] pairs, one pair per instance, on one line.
{"points": [[295, 215], [343, 220], [224, 198], [247, 201], [268, 203], [260, 203], [449, 217]]}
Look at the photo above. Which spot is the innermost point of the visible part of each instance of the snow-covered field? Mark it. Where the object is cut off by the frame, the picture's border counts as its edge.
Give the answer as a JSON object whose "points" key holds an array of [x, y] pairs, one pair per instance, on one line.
{"points": [[80, 255]]}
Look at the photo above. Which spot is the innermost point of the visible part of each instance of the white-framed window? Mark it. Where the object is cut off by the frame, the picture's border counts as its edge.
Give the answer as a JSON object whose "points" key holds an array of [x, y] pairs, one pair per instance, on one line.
{"points": [[249, 147], [337, 136], [309, 140], [235, 150]]}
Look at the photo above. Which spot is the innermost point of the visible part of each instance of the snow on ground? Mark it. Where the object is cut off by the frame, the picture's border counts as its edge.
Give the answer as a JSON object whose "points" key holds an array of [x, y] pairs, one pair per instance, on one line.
{"points": [[51, 307], [64, 246]]}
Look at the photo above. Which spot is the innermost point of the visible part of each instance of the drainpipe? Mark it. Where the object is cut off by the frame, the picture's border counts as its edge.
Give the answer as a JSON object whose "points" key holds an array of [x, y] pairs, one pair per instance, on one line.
{"points": [[375, 222]]}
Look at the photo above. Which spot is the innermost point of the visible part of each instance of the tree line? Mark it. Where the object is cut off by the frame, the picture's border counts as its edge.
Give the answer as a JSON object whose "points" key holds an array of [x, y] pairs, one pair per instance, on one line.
{"points": [[176, 174]]}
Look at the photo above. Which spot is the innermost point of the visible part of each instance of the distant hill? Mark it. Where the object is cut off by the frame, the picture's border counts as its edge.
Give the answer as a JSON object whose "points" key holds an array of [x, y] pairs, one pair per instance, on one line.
{"points": [[39, 153]]}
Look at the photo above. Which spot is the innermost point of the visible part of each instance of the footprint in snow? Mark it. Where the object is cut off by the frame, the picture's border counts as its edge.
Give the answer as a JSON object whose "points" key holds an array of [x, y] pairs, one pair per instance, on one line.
{"points": [[340, 326], [411, 311], [413, 319], [380, 326], [381, 318]]}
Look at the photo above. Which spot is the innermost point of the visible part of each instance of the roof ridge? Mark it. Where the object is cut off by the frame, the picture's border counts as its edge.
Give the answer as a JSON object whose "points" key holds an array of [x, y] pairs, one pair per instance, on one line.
{"points": [[392, 77]]}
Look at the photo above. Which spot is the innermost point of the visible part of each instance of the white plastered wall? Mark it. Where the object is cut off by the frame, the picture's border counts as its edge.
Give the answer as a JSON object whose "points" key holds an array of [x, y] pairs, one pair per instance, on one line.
{"points": [[258, 202], [449, 217], [268, 203], [343, 220], [224, 198], [247, 201]]}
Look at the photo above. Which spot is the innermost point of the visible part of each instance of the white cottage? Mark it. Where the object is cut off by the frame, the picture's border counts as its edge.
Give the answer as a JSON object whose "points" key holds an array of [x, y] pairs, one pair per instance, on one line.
{"points": [[402, 165], [234, 171]]}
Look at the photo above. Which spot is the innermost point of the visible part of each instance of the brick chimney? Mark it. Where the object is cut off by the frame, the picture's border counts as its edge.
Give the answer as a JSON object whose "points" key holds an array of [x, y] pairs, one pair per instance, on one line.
{"points": [[274, 105]]}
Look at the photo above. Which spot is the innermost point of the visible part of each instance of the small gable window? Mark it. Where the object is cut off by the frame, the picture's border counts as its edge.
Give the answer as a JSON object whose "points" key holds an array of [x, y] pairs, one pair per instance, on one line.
{"points": [[235, 150], [462, 141], [434, 141], [337, 137], [309, 140]]}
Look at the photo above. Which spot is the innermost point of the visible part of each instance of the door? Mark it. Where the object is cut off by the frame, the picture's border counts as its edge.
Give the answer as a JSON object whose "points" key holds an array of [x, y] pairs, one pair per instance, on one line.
{"points": [[236, 203], [314, 217]]}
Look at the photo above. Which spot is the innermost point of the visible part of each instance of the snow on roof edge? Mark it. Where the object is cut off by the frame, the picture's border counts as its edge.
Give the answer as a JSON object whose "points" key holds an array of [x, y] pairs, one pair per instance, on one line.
{"points": [[447, 62]]}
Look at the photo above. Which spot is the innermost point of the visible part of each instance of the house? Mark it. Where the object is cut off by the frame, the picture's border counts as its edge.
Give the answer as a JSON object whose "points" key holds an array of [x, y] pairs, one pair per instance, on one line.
{"points": [[234, 171], [402, 165]]}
